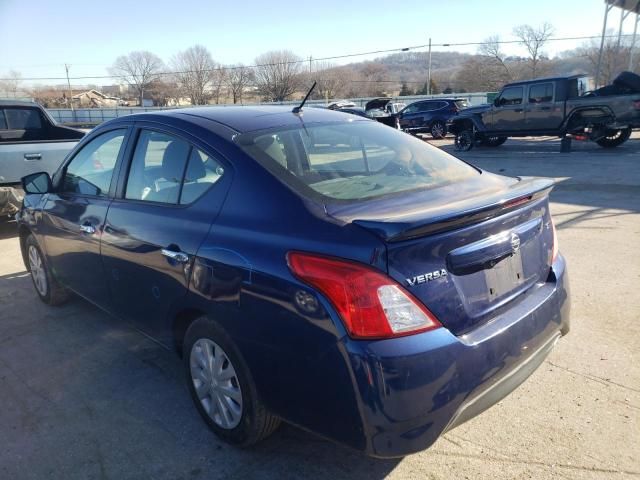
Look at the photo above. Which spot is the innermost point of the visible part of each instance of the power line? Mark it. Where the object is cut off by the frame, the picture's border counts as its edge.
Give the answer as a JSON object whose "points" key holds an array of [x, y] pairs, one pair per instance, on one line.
{"points": [[301, 61]]}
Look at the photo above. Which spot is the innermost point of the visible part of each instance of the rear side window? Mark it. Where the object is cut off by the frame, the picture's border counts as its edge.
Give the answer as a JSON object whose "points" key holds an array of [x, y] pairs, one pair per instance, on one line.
{"points": [[3, 121], [511, 96], [167, 169], [91, 169], [348, 162], [426, 106], [541, 93], [23, 119]]}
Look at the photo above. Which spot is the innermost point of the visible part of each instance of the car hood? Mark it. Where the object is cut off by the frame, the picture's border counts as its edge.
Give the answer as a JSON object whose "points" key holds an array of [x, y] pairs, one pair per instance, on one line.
{"points": [[471, 110], [377, 103]]}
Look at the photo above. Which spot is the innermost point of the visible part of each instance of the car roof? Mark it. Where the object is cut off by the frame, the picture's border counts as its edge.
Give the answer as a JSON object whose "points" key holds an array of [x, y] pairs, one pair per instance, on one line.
{"points": [[545, 79], [250, 118]]}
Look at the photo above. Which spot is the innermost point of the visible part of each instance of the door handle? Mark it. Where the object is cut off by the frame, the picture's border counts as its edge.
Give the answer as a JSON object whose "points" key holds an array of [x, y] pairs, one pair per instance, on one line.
{"points": [[87, 228], [32, 156], [178, 256], [545, 108]]}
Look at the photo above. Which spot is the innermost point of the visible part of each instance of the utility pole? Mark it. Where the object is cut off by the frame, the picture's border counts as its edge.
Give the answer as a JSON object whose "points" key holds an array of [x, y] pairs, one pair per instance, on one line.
{"points": [[429, 70], [70, 100], [310, 63]]}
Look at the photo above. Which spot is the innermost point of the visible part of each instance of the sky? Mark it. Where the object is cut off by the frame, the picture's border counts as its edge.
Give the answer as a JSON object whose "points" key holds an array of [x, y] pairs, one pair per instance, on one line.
{"points": [[38, 37]]}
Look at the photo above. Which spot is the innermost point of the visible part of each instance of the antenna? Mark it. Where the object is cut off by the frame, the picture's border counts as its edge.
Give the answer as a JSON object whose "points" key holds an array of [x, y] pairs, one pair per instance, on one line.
{"points": [[298, 109]]}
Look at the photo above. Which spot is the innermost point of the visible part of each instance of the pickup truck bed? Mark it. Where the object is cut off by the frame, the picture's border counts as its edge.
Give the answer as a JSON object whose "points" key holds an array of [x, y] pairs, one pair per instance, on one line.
{"points": [[30, 141]]}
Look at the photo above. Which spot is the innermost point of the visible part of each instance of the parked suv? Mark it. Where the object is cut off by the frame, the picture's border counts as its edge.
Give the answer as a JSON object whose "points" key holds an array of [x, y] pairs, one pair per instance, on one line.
{"points": [[430, 116]]}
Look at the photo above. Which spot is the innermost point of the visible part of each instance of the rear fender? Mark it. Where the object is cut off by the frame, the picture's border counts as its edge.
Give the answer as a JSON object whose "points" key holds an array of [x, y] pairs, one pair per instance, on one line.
{"points": [[587, 117]]}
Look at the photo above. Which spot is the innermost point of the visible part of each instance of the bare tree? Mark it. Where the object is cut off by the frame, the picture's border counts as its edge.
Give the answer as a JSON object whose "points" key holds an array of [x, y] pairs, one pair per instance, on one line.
{"points": [[139, 69], [491, 48], [278, 74], [613, 59], [194, 70], [333, 81], [238, 79], [218, 82], [534, 40], [11, 84]]}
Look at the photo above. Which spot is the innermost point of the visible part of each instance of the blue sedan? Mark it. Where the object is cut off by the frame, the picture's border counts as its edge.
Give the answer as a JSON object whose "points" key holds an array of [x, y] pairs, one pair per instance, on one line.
{"points": [[309, 266]]}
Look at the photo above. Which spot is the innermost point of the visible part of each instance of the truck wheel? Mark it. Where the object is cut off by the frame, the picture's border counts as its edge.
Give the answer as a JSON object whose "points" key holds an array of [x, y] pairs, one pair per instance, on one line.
{"points": [[464, 140], [222, 387], [493, 141], [629, 80], [613, 138], [438, 130]]}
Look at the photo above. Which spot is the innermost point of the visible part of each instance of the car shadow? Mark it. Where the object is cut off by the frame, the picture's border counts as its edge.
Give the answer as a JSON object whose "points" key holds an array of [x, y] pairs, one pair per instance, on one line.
{"points": [[599, 182], [86, 394], [8, 229]]}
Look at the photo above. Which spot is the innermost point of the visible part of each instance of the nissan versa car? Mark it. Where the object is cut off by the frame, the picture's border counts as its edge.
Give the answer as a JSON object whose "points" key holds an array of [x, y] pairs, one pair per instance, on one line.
{"points": [[312, 267]]}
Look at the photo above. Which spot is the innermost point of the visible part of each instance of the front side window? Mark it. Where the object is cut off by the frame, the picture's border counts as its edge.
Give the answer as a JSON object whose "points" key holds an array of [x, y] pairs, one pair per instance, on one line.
{"points": [[426, 107], [541, 93], [23, 119], [511, 96], [167, 169], [353, 161], [90, 171], [3, 121]]}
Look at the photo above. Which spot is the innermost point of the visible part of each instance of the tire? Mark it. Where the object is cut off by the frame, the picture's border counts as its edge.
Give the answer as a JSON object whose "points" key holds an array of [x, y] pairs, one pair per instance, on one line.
{"points": [[438, 130], [614, 138], [493, 141], [628, 80], [47, 287], [243, 420], [464, 140]]}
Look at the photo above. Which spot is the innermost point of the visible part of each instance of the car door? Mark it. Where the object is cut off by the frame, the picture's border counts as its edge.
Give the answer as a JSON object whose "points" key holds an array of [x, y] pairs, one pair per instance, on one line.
{"points": [[507, 114], [541, 112], [73, 215], [411, 116], [167, 199]]}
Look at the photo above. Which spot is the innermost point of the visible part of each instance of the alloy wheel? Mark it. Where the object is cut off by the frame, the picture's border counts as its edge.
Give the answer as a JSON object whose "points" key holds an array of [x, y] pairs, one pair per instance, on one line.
{"points": [[216, 383], [38, 273]]}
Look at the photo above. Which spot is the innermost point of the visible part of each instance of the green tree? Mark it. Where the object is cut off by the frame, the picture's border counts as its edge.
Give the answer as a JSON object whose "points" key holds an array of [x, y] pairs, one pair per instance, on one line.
{"points": [[405, 90]]}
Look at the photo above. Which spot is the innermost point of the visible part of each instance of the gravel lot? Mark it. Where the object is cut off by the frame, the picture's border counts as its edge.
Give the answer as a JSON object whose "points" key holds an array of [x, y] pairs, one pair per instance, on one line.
{"points": [[82, 395]]}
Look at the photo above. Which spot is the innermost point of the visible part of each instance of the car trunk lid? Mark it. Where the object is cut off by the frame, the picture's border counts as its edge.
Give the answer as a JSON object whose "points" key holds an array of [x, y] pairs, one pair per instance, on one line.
{"points": [[466, 259]]}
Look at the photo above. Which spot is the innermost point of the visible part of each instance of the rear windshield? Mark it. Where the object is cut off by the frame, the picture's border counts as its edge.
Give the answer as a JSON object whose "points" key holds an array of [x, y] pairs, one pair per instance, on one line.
{"points": [[351, 161], [462, 103]]}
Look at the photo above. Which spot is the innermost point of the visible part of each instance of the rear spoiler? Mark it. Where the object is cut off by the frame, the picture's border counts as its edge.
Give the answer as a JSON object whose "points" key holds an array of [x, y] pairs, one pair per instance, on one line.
{"points": [[528, 191]]}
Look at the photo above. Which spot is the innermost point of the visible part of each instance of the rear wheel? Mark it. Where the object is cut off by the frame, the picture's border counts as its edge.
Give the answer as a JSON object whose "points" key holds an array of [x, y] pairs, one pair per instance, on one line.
{"points": [[613, 138], [47, 287], [438, 129], [464, 140], [221, 386], [493, 141]]}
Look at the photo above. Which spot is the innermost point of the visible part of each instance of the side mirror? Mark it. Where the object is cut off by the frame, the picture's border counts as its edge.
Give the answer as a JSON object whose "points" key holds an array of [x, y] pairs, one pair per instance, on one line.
{"points": [[497, 102], [37, 183]]}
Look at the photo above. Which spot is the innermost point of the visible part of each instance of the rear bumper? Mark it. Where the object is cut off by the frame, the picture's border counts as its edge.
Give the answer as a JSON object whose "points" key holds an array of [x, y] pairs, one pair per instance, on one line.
{"points": [[413, 389]]}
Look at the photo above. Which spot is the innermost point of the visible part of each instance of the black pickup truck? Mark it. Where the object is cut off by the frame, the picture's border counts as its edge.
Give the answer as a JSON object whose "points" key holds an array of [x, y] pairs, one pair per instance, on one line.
{"points": [[555, 106]]}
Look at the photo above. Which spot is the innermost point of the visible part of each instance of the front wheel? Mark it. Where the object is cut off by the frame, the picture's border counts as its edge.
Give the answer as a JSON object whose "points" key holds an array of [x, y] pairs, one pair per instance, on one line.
{"points": [[438, 130], [221, 386], [613, 138], [464, 140]]}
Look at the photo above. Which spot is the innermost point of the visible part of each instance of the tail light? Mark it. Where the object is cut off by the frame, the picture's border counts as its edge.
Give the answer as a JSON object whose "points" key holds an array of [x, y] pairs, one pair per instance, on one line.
{"points": [[370, 304]]}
